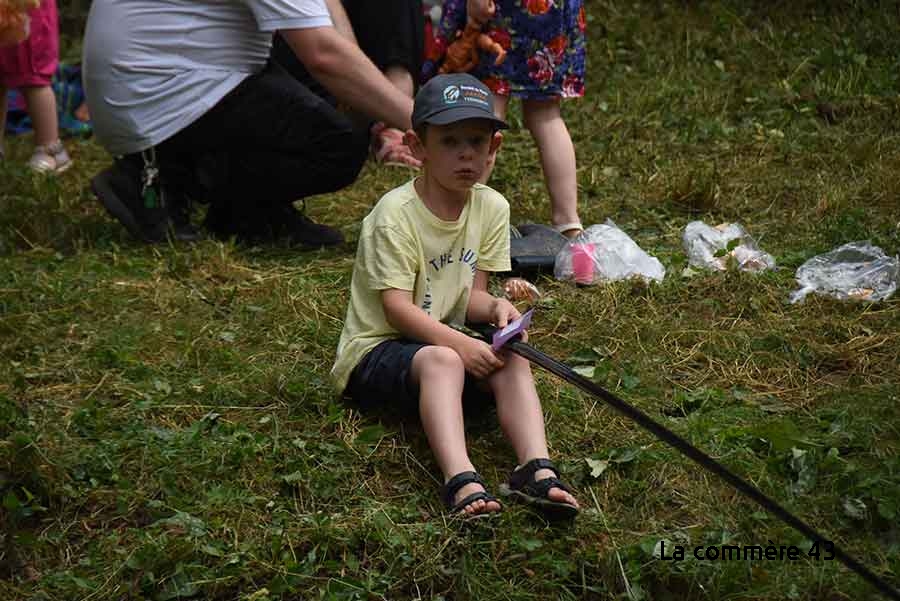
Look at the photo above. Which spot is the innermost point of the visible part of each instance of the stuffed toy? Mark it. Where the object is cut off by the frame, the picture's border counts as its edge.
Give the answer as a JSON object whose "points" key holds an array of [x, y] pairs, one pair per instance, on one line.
{"points": [[14, 20], [462, 54]]}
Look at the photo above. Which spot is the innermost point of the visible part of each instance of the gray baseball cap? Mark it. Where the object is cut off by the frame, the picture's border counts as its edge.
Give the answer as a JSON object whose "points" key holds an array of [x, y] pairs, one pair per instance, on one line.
{"points": [[453, 97]]}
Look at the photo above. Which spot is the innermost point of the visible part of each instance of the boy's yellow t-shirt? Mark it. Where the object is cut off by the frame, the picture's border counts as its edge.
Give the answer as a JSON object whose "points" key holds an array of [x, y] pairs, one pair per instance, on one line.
{"points": [[403, 245]]}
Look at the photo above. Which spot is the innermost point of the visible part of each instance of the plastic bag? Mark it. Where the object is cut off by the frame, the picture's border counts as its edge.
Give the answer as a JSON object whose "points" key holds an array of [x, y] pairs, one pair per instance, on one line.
{"points": [[711, 247], [856, 271], [605, 253]]}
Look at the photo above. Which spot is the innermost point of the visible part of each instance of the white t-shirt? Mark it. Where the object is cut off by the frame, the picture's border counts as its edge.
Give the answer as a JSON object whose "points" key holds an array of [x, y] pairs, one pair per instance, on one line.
{"points": [[153, 67], [404, 246]]}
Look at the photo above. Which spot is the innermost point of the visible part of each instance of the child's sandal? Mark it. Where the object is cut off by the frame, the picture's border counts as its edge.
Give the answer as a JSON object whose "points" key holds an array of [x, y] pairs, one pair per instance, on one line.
{"points": [[525, 488], [50, 158], [449, 490], [566, 228]]}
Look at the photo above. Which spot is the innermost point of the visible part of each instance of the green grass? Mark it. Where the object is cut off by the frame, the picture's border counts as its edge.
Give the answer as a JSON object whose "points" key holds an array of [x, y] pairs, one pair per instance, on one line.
{"points": [[168, 430]]}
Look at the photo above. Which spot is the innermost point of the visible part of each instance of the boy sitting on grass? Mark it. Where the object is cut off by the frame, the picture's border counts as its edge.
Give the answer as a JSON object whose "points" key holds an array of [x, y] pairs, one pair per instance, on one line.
{"points": [[423, 260]]}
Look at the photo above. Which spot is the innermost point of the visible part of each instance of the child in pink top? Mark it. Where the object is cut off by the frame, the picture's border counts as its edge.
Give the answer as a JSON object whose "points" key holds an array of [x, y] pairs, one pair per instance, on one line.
{"points": [[29, 67]]}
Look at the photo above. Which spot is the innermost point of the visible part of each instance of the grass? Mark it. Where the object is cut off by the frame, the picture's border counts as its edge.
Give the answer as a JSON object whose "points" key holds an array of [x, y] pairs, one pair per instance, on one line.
{"points": [[168, 430]]}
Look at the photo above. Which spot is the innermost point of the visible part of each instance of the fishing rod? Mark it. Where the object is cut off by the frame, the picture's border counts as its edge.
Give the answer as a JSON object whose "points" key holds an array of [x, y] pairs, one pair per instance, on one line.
{"points": [[510, 338]]}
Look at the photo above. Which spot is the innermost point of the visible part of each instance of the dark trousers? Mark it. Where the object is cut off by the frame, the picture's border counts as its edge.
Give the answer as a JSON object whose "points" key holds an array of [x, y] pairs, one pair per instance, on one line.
{"points": [[389, 32], [270, 141]]}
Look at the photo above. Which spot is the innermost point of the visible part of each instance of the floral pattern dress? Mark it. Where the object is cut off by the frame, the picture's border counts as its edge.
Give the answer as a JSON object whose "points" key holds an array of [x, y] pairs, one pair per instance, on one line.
{"points": [[544, 42]]}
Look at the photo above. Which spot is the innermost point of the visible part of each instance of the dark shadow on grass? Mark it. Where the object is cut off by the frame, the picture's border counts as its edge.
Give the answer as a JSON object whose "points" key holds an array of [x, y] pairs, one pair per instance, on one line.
{"points": [[479, 411]]}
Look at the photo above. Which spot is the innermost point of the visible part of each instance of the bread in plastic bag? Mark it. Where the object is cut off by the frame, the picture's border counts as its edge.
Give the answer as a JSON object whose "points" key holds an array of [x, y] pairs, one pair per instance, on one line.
{"points": [[602, 253], [856, 271], [518, 289], [712, 247]]}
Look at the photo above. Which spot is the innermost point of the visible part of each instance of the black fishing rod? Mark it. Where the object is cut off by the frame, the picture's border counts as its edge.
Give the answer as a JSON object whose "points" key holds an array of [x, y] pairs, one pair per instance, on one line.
{"points": [[569, 375]]}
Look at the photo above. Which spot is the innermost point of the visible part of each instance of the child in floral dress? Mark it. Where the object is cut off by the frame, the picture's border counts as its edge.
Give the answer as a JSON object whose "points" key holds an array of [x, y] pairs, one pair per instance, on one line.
{"points": [[545, 62]]}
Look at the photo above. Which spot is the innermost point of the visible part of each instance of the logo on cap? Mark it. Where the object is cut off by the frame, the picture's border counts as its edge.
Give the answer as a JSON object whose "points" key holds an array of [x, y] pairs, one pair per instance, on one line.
{"points": [[451, 93]]}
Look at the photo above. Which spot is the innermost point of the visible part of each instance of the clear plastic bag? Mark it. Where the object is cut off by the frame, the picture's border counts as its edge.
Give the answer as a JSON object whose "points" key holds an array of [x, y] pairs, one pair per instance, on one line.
{"points": [[605, 253], [857, 271], [712, 247]]}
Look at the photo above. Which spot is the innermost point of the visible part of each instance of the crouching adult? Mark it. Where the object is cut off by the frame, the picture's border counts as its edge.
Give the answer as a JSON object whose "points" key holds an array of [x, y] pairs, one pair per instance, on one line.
{"points": [[188, 103]]}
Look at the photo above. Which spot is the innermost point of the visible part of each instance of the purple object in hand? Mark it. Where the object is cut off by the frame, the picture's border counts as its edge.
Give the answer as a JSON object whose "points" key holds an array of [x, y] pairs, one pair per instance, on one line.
{"points": [[501, 337]]}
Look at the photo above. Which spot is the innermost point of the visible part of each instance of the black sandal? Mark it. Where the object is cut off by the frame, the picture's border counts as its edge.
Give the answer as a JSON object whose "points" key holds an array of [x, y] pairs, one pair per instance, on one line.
{"points": [[524, 487], [449, 490]]}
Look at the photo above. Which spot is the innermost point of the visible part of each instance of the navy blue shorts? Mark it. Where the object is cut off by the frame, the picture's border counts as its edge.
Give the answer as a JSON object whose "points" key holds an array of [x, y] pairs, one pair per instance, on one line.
{"points": [[383, 377]]}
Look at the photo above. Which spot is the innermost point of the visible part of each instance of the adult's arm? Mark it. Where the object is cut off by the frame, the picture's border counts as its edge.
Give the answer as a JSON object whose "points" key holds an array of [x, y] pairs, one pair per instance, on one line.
{"points": [[341, 20], [340, 66]]}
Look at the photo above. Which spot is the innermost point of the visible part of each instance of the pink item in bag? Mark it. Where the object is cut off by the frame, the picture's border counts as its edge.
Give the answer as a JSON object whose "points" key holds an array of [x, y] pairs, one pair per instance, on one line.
{"points": [[583, 262]]}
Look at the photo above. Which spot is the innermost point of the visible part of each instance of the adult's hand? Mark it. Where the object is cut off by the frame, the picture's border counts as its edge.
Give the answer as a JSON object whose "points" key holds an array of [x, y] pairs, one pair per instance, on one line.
{"points": [[390, 148]]}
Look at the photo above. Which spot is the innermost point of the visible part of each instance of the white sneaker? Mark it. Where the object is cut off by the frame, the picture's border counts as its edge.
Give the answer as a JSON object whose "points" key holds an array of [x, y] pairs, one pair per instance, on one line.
{"points": [[50, 158]]}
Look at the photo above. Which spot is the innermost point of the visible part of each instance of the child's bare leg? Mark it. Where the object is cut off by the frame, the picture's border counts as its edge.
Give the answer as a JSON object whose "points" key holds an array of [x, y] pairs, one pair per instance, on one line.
{"points": [[544, 120], [42, 109], [440, 374], [501, 103], [521, 418]]}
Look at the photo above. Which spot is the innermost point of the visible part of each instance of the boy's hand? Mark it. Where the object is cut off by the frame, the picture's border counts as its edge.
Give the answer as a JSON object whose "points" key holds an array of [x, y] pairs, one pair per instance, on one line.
{"points": [[503, 312], [478, 357]]}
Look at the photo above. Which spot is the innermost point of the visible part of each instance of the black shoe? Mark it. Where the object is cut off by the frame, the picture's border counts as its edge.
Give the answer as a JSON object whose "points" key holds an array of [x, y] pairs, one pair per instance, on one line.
{"points": [[119, 191], [300, 229], [269, 224]]}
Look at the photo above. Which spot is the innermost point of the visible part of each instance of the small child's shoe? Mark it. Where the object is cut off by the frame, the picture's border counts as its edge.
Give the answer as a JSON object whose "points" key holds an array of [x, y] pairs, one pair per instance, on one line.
{"points": [[449, 490], [50, 158], [525, 488], [569, 230]]}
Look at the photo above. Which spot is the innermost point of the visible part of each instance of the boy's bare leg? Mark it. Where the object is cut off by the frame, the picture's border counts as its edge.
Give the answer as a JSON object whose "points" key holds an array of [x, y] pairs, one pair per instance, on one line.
{"points": [[520, 415], [544, 120], [501, 103], [440, 374], [42, 109]]}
